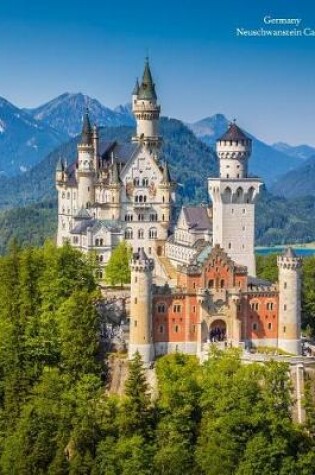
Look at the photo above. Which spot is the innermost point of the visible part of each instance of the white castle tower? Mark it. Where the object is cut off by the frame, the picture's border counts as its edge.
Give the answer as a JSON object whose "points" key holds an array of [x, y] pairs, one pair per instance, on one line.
{"points": [[86, 165], [140, 336], [146, 109], [289, 324], [233, 196]]}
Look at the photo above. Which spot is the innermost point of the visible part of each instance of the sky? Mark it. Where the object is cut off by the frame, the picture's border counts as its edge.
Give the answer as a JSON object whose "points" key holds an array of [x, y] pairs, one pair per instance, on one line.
{"points": [[200, 66]]}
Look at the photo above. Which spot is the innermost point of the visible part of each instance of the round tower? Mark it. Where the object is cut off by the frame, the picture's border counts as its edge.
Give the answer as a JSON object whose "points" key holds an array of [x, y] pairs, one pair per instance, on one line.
{"points": [[289, 315], [165, 195], [146, 109], [141, 338], [234, 149], [59, 171], [85, 168], [96, 148]]}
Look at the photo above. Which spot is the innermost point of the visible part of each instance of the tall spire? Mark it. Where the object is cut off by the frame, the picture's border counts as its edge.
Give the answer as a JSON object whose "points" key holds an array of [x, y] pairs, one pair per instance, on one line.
{"points": [[135, 91], [147, 86], [114, 176], [60, 165], [166, 174], [87, 133]]}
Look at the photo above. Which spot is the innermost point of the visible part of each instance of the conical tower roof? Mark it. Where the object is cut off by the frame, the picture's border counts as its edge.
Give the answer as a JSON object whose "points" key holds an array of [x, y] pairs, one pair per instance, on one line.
{"points": [[289, 252], [87, 133], [142, 255], [114, 176], [60, 165], [135, 91], [147, 87], [166, 174], [234, 133]]}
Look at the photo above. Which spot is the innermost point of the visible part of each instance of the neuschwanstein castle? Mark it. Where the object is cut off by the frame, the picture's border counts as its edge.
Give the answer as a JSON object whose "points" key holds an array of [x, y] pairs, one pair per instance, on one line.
{"points": [[193, 282]]}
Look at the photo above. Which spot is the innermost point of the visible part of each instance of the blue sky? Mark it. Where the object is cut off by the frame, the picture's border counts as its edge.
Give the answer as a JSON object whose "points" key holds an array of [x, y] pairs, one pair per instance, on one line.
{"points": [[199, 65]]}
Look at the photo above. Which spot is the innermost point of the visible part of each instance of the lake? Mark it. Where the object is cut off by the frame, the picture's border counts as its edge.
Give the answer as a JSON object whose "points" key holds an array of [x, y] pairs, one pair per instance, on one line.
{"points": [[300, 251]]}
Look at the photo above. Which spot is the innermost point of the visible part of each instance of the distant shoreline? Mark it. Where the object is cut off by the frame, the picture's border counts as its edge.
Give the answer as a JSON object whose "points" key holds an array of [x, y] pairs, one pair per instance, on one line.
{"points": [[302, 250]]}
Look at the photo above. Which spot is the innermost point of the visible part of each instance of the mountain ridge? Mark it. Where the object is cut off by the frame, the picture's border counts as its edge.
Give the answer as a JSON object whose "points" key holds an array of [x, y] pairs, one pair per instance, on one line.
{"points": [[266, 162]]}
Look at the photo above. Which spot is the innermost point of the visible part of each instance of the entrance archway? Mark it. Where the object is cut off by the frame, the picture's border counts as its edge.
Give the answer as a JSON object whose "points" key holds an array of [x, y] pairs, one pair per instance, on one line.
{"points": [[217, 331]]}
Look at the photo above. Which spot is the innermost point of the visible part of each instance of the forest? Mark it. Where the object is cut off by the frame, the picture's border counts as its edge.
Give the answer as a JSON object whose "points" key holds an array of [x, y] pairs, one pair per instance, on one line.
{"points": [[57, 417]]}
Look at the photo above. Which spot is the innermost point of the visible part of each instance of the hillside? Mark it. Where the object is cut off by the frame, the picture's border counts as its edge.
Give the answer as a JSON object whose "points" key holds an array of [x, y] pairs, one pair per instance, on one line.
{"points": [[23, 140], [190, 161], [266, 161], [298, 182], [64, 113]]}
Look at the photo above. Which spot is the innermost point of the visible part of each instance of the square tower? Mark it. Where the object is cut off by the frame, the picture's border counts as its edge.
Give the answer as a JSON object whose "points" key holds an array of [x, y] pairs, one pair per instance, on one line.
{"points": [[233, 196]]}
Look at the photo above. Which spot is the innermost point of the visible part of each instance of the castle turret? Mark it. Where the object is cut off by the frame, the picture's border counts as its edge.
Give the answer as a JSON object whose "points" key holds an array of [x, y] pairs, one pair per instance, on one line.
{"points": [[289, 315], [59, 171], [86, 165], [96, 147], [135, 92], [146, 109], [233, 197], [166, 196], [233, 150], [140, 338]]}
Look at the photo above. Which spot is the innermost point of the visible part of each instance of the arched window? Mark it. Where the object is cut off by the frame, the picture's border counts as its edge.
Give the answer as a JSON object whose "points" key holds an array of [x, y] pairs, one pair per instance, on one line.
{"points": [[145, 199], [210, 284], [141, 234], [97, 242], [145, 181], [152, 233], [101, 258], [222, 283], [128, 233], [161, 307], [227, 195], [101, 242]]}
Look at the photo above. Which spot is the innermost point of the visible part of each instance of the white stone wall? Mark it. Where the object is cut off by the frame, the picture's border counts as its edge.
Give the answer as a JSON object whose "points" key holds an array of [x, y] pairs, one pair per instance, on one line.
{"points": [[234, 218], [143, 209], [179, 254], [147, 125], [233, 158]]}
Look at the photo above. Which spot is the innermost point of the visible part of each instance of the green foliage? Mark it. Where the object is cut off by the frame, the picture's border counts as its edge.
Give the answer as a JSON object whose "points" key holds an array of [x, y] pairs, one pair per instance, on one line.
{"points": [[49, 359], [118, 267], [266, 267], [308, 294]]}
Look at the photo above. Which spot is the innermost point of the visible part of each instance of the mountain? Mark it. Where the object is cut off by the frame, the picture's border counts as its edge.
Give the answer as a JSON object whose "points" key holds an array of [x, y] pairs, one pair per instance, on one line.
{"points": [[64, 113], [266, 162], [299, 182], [23, 140], [303, 152]]}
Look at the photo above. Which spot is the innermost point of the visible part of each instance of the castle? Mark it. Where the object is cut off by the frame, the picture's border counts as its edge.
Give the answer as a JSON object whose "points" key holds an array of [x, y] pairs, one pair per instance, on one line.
{"points": [[193, 282]]}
